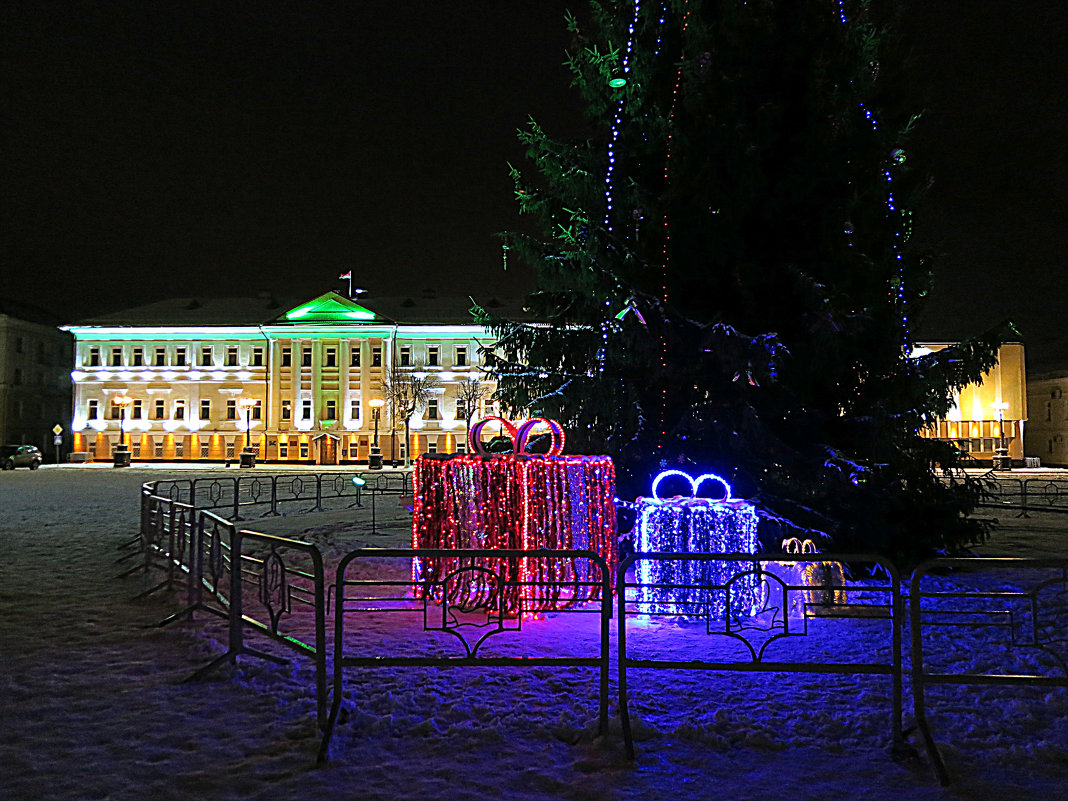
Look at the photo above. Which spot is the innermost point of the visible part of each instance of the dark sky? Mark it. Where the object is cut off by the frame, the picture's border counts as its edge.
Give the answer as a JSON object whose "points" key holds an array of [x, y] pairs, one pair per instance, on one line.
{"points": [[151, 149]]}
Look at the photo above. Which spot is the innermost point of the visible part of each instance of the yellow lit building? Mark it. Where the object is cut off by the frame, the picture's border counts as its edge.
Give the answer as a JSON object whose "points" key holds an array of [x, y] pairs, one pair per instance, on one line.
{"points": [[199, 380], [991, 414]]}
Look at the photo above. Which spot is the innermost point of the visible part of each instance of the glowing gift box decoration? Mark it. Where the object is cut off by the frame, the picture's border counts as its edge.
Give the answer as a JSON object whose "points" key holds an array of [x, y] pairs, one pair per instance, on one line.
{"points": [[690, 524], [521, 501]]}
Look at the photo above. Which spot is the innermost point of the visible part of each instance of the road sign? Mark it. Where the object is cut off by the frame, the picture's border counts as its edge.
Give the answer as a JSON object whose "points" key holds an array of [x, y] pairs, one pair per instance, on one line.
{"points": [[57, 429], [57, 441]]}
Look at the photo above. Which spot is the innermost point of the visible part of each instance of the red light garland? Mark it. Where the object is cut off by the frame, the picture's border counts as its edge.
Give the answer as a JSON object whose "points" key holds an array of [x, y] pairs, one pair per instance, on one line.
{"points": [[517, 501]]}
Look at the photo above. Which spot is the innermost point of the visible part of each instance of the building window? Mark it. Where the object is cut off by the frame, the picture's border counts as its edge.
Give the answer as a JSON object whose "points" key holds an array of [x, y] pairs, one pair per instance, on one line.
{"points": [[158, 449], [432, 409], [287, 410], [406, 356], [179, 357], [135, 410], [135, 448], [461, 447], [93, 412], [331, 410], [179, 449], [230, 448], [231, 356], [138, 359], [354, 356], [206, 358], [205, 409], [179, 410], [432, 447], [304, 450], [461, 409], [305, 357], [205, 449], [159, 357], [461, 356], [287, 357], [113, 411], [491, 410], [433, 358], [159, 410], [376, 356], [94, 357], [257, 357], [354, 409], [257, 413], [305, 410], [231, 409], [283, 450], [116, 357], [331, 357]]}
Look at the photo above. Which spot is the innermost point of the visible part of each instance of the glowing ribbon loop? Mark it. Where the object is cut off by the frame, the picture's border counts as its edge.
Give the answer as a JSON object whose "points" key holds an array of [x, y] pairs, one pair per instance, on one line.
{"points": [[520, 435], [695, 483]]}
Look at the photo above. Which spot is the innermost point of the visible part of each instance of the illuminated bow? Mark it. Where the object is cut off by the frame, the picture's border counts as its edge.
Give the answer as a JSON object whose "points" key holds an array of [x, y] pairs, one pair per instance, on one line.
{"points": [[520, 434], [694, 484]]}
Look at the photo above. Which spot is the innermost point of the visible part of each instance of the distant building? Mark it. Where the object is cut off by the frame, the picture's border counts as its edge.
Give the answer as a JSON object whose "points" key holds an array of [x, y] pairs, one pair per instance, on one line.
{"points": [[197, 379], [1047, 433], [35, 387], [990, 414]]}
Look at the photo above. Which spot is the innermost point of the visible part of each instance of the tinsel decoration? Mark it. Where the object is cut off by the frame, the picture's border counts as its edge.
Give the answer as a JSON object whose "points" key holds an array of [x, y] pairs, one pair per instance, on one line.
{"points": [[517, 501], [691, 524]]}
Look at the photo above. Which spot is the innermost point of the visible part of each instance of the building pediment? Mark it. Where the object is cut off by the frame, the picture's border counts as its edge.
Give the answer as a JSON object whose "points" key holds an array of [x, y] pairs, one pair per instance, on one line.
{"points": [[330, 307]]}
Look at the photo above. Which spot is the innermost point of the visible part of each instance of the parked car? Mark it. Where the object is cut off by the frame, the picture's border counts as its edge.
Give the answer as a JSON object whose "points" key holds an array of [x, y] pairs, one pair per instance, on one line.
{"points": [[12, 456]]}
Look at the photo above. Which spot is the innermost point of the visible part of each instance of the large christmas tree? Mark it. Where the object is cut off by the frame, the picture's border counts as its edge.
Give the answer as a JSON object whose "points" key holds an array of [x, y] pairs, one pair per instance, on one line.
{"points": [[724, 276]]}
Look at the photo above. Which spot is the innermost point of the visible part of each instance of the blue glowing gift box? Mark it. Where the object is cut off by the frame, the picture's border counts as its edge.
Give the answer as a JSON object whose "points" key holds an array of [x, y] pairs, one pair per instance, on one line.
{"points": [[689, 524]]}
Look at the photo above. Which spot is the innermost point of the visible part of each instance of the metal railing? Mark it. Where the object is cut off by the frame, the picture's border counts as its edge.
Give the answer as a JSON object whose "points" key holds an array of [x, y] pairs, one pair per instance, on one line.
{"points": [[1026, 495], [268, 495], [460, 610], [197, 551], [746, 627], [1032, 650]]}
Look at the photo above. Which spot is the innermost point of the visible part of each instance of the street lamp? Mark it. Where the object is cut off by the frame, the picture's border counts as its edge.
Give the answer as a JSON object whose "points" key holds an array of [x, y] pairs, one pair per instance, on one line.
{"points": [[374, 461], [1001, 456], [121, 457], [247, 456]]}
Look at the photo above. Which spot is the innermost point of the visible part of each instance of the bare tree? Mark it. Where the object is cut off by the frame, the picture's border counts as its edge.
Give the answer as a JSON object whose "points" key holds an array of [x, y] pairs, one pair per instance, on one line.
{"points": [[469, 393], [408, 392]]}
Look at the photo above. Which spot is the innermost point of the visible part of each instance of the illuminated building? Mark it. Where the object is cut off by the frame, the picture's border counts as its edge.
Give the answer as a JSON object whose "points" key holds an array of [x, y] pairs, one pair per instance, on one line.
{"points": [[990, 414], [191, 368], [1047, 432]]}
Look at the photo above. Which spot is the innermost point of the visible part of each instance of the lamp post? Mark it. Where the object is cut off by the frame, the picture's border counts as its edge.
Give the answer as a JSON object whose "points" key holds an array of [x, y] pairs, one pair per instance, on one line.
{"points": [[121, 457], [1001, 455], [374, 461], [248, 456]]}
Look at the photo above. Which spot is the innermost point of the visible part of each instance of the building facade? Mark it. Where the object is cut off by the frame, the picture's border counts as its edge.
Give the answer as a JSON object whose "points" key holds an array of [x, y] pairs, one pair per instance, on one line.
{"points": [[200, 381], [991, 414], [1047, 433], [35, 385]]}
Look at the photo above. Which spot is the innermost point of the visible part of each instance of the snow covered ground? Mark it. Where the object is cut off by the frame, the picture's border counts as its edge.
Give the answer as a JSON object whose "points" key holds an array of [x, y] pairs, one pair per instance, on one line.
{"points": [[92, 703]]}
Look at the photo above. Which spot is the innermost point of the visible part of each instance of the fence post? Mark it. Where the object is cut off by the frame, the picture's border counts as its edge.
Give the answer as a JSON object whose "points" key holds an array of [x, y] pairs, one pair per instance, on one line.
{"points": [[274, 496], [237, 487], [1023, 498]]}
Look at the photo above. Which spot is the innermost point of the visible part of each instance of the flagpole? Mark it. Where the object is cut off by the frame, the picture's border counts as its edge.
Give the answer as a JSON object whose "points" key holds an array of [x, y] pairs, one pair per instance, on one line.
{"points": [[348, 275]]}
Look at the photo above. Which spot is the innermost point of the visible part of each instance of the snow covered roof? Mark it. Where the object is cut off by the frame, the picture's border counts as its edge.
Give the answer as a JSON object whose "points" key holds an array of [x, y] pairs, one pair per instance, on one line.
{"points": [[263, 309]]}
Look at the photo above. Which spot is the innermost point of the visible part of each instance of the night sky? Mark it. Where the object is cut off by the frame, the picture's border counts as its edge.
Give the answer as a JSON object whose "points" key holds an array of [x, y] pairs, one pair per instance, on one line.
{"points": [[157, 149]]}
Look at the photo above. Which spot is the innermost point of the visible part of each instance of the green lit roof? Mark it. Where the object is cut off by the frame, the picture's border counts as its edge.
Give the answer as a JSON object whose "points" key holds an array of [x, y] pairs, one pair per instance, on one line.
{"points": [[328, 307]]}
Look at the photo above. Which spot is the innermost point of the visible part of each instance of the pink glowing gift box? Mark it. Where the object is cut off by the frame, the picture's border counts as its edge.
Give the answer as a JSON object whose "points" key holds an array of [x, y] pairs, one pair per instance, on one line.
{"points": [[521, 501]]}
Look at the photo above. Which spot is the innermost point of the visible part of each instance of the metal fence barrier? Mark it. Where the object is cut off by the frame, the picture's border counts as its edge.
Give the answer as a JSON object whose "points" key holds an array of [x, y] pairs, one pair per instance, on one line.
{"points": [[1026, 495], [268, 495], [754, 610], [1033, 622], [197, 552], [468, 604]]}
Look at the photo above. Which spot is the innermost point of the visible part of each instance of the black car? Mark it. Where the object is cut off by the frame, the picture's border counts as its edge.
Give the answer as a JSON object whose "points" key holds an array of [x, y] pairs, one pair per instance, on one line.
{"points": [[12, 456]]}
